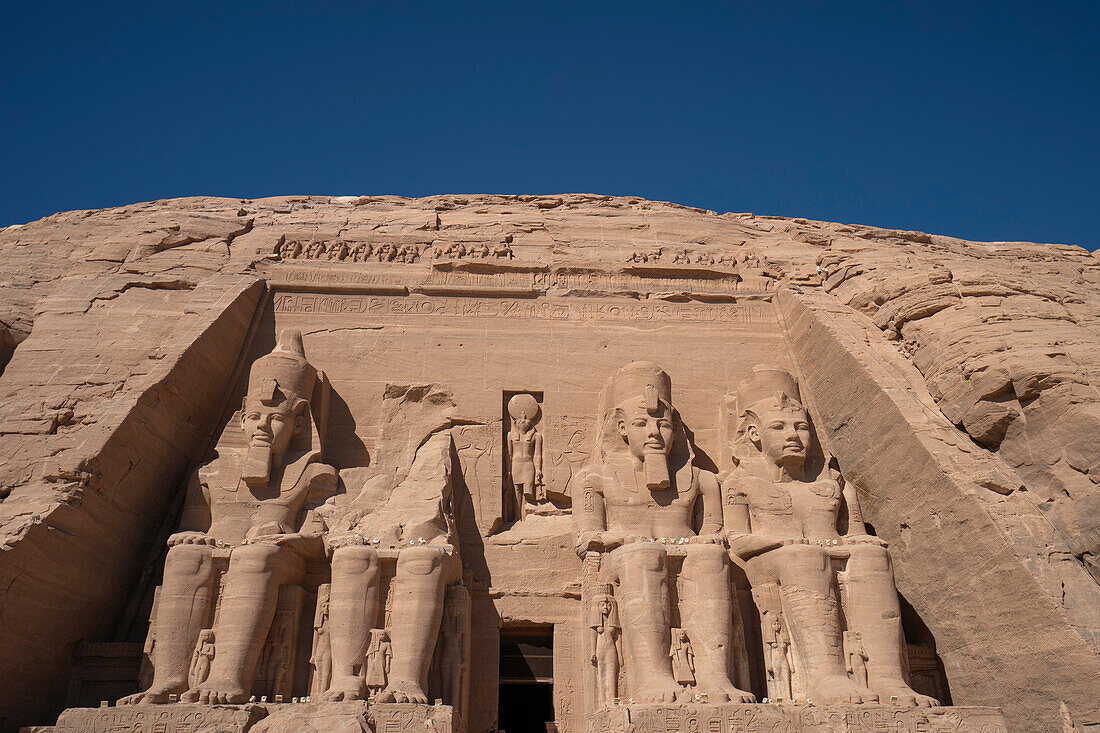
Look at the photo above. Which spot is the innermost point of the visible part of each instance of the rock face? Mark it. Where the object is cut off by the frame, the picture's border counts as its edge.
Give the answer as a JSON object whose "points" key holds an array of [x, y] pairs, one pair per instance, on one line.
{"points": [[465, 481]]}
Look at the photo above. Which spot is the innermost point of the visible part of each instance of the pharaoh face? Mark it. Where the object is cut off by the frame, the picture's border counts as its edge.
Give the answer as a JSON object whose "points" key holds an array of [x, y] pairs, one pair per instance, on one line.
{"points": [[269, 429], [271, 426], [781, 433], [605, 606], [645, 433]]}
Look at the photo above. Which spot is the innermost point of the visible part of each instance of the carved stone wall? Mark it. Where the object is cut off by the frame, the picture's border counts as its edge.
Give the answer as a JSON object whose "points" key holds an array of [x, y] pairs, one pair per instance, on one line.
{"points": [[953, 381]]}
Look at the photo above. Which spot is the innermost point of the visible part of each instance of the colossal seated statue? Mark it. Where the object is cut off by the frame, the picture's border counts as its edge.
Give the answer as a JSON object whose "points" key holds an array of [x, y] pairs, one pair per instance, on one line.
{"points": [[401, 521], [807, 578], [641, 495], [274, 509], [251, 500]]}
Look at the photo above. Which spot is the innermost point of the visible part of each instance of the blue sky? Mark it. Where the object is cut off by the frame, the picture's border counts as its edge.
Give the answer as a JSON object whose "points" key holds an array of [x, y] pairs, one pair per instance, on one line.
{"points": [[978, 120]]}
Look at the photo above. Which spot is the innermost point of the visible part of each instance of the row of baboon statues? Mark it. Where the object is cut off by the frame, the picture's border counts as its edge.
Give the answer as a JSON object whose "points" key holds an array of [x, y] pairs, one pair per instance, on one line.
{"points": [[339, 251], [656, 534]]}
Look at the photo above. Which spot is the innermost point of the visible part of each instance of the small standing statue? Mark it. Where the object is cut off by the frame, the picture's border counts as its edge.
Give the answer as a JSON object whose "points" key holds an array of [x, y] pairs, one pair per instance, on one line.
{"points": [[273, 659], [454, 657], [200, 662], [683, 658], [525, 451], [856, 657], [779, 660], [605, 646], [378, 660], [321, 660]]}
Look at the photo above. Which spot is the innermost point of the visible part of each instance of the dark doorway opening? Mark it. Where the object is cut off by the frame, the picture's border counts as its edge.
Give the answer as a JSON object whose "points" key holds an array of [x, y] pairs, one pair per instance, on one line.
{"points": [[525, 708], [526, 698]]}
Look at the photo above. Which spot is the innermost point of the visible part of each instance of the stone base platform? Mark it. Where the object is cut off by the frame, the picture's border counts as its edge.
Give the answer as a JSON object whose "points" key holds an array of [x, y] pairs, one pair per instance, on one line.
{"points": [[327, 717], [792, 718]]}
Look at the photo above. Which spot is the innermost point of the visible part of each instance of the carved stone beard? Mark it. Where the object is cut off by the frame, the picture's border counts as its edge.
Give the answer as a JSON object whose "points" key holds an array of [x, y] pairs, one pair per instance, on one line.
{"points": [[257, 466], [655, 467]]}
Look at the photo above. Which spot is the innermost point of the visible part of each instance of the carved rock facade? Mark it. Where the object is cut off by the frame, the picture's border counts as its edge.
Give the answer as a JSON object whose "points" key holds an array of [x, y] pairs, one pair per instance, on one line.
{"points": [[609, 464]]}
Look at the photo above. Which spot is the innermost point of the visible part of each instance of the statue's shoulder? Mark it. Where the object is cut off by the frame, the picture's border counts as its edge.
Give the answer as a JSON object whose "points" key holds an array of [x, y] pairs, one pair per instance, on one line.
{"points": [[705, 479], [742, 481], [826, 487], [592, 477]]}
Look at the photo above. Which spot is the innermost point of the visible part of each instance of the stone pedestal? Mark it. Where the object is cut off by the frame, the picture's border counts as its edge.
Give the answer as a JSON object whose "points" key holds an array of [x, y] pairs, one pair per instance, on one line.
{"points": [[358, 717], [322, 717], [783, 718], [171, 718]]}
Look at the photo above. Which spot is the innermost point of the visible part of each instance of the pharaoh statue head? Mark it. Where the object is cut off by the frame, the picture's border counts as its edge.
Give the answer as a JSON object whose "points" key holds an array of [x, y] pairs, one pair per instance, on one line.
{"points": [[524, 411], [771, 417], [639, 418], [276, 406]]}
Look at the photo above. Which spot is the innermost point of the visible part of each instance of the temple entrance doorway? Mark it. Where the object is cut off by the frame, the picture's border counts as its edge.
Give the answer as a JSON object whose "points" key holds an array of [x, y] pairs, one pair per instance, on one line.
{"points": [[526, 698]]}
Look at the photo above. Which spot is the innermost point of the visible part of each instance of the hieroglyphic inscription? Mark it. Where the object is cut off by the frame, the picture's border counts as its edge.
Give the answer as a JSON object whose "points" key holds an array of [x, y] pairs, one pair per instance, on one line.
{"points": [[517, 280], [404, 717], [176, 718], [540, 280], [567, 678], [754, 718], [355, 277], [478, 449], [612, 282], [548, 310], [569, 449]]}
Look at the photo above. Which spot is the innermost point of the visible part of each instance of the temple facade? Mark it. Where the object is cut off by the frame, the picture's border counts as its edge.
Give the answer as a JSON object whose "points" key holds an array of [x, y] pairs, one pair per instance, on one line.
{"points": [[474, 481]]}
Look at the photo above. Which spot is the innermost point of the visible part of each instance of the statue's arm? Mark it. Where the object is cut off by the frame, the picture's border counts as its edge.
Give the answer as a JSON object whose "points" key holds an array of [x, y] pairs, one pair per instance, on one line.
{"points": [[538, 457], [857, 529], [591, 519], [735, 506], [195, 518], [711, 494], [855, 514]]}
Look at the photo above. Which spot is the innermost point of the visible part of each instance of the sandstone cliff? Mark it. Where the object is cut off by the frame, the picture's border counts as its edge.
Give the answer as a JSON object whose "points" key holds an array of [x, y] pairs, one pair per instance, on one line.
{"points": [[956, 381]]}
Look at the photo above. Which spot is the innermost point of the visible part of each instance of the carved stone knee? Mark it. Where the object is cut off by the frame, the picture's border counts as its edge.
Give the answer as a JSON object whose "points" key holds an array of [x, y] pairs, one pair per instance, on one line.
{"points": [[705, 559], [187, 560], [641, 557], [354, 560], [263, 559], [419, 560]]}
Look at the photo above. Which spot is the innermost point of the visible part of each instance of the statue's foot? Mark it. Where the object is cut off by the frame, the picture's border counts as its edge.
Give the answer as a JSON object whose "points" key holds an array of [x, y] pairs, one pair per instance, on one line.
{"points": [[720, 689], [402, 691], [156, 694], [906, 696], [840, 689], [657, 689], [216, 692], [345, 688]]}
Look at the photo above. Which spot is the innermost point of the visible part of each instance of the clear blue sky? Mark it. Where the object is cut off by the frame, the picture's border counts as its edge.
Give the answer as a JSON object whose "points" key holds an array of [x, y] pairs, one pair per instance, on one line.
{"points": [[967, 118]]}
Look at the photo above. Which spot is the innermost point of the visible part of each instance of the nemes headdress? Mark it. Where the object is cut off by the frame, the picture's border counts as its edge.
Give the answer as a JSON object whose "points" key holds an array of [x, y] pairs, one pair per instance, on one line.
{"points": [[767, 383], [285, 370], [645, 384], [644, 381]]}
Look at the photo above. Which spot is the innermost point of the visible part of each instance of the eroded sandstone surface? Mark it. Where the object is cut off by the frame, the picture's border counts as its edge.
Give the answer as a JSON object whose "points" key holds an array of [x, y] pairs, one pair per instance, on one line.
{"points": [[952, 388]]}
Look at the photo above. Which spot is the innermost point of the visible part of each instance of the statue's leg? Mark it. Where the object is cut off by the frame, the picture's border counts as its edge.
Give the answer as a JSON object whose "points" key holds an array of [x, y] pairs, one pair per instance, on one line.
{"points": [[643, 599], [353, 612], [183, 611], [708, 611], [247, 608], [812, 613], [418, 588], [875, 612]]}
